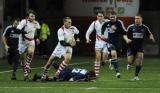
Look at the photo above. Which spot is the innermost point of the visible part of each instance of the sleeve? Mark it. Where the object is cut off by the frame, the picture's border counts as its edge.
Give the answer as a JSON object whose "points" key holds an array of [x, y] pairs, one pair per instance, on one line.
{"points": [[76, 31], [38, 25], [21, 24], [103, 29], [129, 31], [90, 30], [122, 28], [60, 35], [6, 32], [147, 31]]}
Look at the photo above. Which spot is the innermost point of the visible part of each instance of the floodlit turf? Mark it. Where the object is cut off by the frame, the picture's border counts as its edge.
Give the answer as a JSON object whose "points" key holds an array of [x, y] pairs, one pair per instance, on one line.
{"points": [[107, 82]]}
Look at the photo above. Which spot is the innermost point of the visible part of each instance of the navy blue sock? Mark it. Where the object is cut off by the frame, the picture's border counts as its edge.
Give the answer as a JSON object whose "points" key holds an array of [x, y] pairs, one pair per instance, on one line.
{"points": [[15, 66], [137, 70], [114, 62]]}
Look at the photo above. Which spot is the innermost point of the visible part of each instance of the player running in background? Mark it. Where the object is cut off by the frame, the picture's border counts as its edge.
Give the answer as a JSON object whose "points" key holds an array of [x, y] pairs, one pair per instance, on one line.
{"points": [[10, 40], [116, 29], [136, 32], [66, 36], [27, 41], [100, 43]]}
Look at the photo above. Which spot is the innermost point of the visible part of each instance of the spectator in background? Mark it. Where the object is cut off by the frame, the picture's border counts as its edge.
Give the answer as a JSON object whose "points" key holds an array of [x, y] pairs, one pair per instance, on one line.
{"points": [[45, 32]]}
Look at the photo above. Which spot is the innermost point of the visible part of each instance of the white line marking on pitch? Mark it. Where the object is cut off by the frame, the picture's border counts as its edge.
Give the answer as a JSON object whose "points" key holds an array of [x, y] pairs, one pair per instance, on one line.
{"points": [[41, 67], [87, 88]]}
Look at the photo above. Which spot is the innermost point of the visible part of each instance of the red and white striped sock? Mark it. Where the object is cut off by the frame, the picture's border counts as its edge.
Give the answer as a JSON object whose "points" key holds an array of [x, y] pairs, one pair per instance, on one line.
{"points": [[61, 67], [97, 68]]}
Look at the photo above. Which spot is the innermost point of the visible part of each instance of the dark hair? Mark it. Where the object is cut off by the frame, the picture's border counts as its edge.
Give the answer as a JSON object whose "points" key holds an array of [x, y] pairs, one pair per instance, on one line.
{"points": [[113, 12], [30, 11], [90, 76], [139, 15], [65, 18], [16, 19], [101, 12]]}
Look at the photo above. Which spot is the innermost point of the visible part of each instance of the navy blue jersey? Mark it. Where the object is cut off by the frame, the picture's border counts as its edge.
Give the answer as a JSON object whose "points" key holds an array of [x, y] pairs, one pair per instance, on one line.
{"points": [[137, 33], [75, 73], [11, 36], [114, 35]]}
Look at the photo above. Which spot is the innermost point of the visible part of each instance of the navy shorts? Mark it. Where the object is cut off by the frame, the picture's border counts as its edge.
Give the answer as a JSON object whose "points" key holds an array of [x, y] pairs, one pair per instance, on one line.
{"points": [[133, 51]]}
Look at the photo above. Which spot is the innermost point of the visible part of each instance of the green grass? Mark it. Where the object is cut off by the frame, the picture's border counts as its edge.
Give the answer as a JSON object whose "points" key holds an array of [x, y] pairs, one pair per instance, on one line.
{"points": [[107, 82]]}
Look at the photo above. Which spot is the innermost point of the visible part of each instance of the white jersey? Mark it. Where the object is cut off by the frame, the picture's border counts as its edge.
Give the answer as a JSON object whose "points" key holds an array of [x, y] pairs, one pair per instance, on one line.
{"points": [[67, 33], [64, 34], [100, 41], [96, 25], [29, 27]]}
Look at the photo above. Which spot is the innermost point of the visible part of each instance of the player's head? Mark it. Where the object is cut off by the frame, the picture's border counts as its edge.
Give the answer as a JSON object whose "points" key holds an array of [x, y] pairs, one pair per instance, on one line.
{"points": [[113, 16], [67, 22], [90, 76], [16, 22], [138, 19], [100, 15], [31, 15]]}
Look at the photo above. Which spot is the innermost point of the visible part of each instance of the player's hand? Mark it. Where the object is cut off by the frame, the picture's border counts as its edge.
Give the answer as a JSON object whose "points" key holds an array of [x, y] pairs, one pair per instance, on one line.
{"points": [[88, 40], [152, 38], [128, 41], [77, 40], [103, 36], [6, 47], [38, 41], [114, 27]]}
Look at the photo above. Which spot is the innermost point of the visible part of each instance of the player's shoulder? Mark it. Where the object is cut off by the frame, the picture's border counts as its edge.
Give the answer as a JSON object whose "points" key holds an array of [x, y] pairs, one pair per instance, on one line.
{"points": [[9, 27], [106, 20], [131, 25], [24, 20], [144, 26], [73, 28], [61, 29], [36, 22], [119, 21]]}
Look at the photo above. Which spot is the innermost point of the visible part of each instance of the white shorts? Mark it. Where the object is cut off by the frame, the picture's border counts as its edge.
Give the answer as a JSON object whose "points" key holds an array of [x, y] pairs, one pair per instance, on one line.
{"points": [[24, 44], [101, 45], [60, 50]]}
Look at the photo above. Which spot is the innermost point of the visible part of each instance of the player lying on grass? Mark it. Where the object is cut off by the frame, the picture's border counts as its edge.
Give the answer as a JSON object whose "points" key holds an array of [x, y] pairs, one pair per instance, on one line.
{"points": [[69, 74]]}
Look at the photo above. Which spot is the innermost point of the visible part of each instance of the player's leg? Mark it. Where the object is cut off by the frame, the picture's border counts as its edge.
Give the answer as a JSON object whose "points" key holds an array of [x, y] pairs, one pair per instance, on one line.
{"points": [[97, 61], [129, 61], [114, 62], [130, 58], [22, 61], [15, 64], [105, 54], [29, 57], [47, 67], [98, 54], [65, 62], [139, 60]]}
